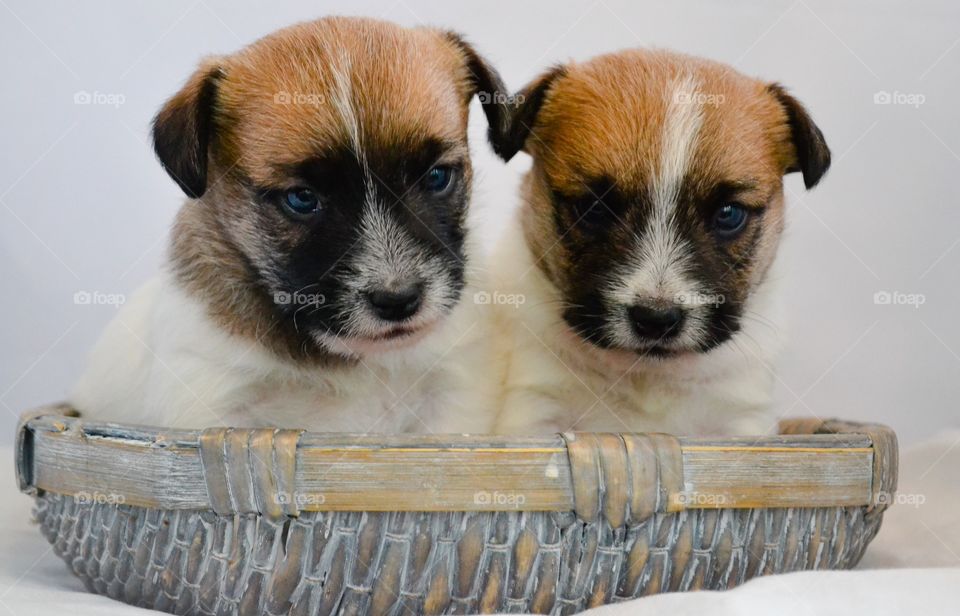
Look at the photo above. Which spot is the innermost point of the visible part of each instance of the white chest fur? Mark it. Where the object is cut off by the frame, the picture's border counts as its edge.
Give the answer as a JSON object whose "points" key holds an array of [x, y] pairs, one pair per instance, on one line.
{"points": [[163, 361], [556, 382]]}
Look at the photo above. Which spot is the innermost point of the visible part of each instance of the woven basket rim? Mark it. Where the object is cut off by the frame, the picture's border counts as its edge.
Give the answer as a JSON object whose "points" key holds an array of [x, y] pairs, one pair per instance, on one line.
{"points": [[621, 477]]}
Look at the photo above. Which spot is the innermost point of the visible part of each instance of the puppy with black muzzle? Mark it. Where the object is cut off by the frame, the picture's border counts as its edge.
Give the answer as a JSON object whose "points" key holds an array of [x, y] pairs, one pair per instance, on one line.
{"points": [[646, 246], [314, 276]]}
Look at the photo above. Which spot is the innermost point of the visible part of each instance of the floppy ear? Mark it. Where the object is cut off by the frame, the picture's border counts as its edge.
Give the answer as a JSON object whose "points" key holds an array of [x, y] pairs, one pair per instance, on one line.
{"points": [[812, 153], [485, 83], [523, 113], [183, 127]]}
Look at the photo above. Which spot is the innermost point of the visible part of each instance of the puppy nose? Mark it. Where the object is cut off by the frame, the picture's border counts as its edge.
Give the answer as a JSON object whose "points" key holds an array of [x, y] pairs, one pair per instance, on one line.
{"points": [[396, 304], [655, 323]]}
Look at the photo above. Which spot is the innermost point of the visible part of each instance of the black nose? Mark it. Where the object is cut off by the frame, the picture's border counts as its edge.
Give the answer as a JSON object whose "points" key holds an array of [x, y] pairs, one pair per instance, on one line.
{"points": [[655, 323], [396, 304]]}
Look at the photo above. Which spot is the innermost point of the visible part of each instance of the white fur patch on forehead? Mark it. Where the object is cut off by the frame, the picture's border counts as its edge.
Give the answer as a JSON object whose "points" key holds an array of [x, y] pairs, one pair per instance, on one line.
{"points": [[341, 95], [659, 269], [681, 128], [662, 253]]}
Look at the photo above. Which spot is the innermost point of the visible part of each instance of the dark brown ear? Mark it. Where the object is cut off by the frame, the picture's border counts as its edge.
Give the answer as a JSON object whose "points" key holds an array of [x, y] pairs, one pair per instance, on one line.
{"points": [[812, 153], [183, 127], [486, 84], [523, 113]]}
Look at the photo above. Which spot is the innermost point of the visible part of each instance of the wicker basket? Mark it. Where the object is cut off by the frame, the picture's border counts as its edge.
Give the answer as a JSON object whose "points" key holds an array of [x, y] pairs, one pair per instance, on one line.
{"points": [[231, 521]]}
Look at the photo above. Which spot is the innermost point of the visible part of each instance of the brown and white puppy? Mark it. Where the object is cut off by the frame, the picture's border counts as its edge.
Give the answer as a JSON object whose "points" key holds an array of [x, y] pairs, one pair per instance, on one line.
{"points": [[646, 245], [314, 275]]}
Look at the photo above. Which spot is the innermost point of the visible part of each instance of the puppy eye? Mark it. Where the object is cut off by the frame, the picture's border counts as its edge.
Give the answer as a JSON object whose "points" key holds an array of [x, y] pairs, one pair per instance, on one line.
{"points": [[438, 179], [301, 201], [729, 220]]}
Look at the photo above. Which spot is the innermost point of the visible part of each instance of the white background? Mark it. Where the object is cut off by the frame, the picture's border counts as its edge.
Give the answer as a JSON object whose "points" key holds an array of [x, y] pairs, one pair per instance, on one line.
{"points": [[85, 207]]}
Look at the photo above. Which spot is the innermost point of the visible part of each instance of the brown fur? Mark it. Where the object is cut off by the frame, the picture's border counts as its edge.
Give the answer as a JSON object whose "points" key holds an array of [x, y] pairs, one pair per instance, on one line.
{"points": [[603, 120], [606, 117], [406, 82], [402, 85]]}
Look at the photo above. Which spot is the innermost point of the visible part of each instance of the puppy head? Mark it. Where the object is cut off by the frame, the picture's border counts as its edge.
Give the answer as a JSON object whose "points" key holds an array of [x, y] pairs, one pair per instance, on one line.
{"points": [[655, 202], [330, 161]]}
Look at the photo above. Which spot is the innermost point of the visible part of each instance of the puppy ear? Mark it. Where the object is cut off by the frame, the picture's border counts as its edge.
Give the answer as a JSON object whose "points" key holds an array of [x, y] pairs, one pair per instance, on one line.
{"points": [[183, 128], [485, 83], [523, 114], [812, 153]]}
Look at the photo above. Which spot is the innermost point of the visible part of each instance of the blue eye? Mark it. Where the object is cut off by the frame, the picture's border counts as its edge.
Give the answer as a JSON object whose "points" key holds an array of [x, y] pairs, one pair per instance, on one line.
{"points": [[301, 201], [438, 179], [730, 220]]}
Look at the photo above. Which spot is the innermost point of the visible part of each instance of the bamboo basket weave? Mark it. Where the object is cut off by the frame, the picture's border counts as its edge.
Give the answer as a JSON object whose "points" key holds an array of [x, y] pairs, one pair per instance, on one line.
{"points": [[262, 521]]}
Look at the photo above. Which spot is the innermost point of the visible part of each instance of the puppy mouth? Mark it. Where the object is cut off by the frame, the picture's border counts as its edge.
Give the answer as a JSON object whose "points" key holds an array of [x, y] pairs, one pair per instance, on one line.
{"points": [[707, 341], [394, 338], [396, 333], [661, 352]]}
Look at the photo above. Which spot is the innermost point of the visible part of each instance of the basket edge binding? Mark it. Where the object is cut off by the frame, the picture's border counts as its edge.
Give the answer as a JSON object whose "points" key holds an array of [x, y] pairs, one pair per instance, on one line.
{"points": [[624, 478]]}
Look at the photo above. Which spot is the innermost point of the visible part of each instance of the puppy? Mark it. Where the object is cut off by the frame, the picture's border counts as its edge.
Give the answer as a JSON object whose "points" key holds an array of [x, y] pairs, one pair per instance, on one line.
{"points": [[315, 272], [646, 245]]}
